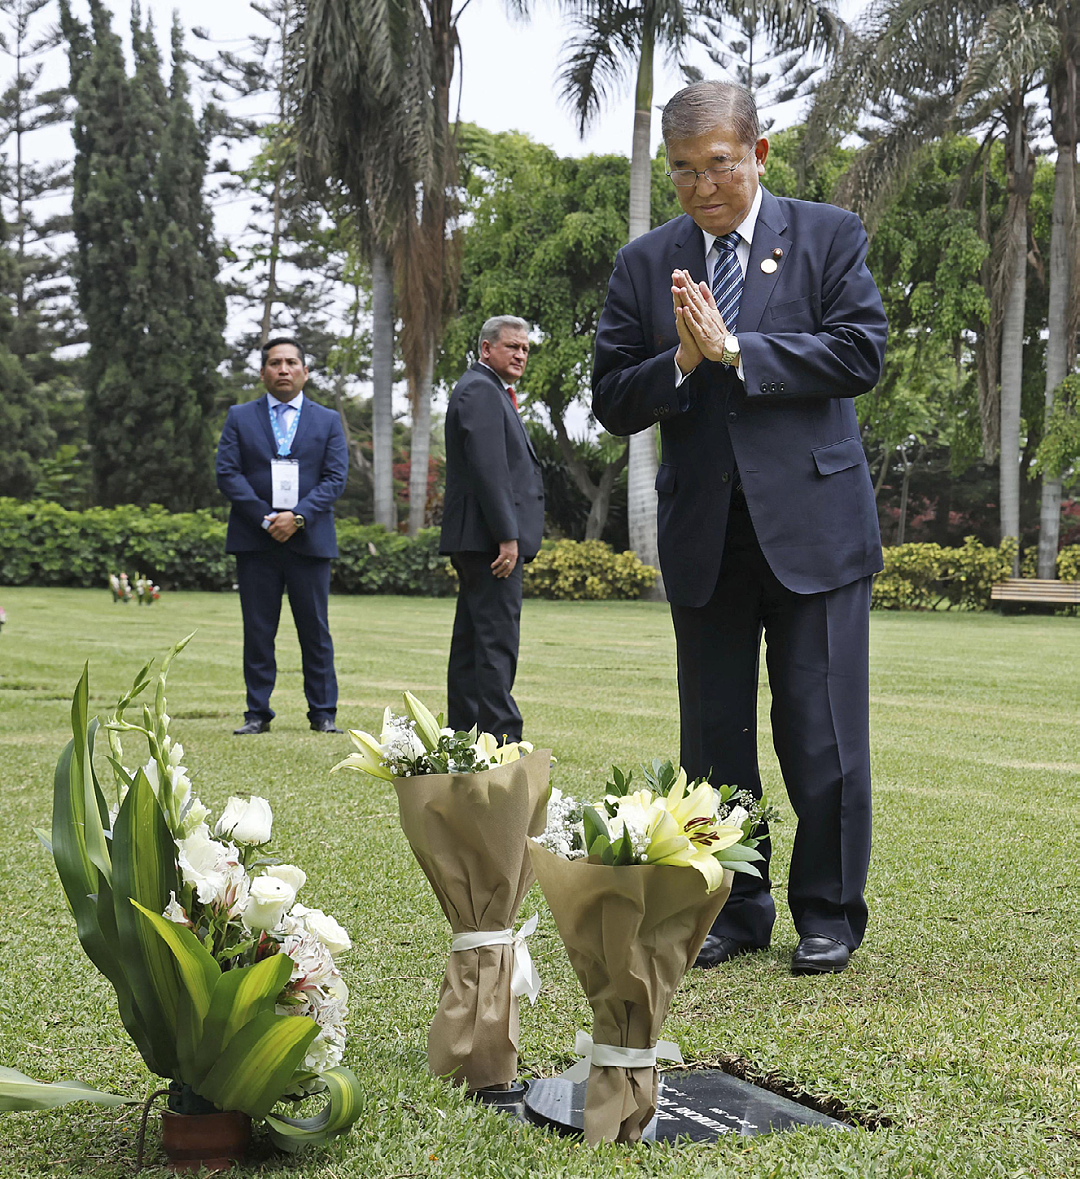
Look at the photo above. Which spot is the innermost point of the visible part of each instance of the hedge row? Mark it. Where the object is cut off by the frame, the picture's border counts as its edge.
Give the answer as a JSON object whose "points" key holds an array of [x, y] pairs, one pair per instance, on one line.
{"points": [[44, 545], [928, 576]]}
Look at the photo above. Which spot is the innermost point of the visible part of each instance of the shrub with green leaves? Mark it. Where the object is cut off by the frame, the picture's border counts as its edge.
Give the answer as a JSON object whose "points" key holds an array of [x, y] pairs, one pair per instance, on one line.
{"points": [[586, 570], [928, 576]]}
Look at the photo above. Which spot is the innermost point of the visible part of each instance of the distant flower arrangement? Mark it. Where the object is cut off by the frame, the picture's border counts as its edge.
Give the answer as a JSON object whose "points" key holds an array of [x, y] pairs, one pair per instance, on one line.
{"points": [[143, 590]]}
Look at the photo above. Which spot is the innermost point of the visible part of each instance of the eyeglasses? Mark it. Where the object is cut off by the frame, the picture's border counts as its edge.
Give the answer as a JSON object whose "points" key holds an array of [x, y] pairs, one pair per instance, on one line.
{"points": [[688, 177]]}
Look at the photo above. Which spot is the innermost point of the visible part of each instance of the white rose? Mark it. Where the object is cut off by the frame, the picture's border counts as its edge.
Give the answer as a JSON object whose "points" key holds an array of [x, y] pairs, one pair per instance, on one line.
{"points": [[289, 874], [247, 822], [322, 926], [266, 903], [204, 863]]}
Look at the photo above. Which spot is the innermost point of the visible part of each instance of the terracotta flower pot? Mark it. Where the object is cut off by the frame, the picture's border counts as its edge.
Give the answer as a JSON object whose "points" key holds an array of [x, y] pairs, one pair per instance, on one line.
{"points": [[212, 1140]]}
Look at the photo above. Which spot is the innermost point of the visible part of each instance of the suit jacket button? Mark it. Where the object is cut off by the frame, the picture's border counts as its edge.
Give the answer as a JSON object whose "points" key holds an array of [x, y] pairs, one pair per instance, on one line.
{"points": [[772, 387], [764, 386], [781, 389], [732, 416], [725, 477]]}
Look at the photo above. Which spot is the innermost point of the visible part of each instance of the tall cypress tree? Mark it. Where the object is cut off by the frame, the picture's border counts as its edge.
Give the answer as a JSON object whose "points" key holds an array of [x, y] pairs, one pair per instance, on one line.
{"points": [[146, 270]]}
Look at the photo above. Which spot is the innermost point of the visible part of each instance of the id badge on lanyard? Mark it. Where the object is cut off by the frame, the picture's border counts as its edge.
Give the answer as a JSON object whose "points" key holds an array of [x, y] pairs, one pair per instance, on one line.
{"points": [[284, 472], [285, 480]]}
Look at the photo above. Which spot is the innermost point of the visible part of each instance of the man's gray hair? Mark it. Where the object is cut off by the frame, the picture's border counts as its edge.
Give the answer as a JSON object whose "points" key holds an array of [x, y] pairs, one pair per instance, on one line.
{"points": [[493, 328], [704, 106]]}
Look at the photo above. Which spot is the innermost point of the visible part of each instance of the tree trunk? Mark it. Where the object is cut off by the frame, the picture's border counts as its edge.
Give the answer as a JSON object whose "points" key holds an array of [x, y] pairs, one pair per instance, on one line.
{"points": [[598, 494], [1063, 108], [382, 378], [420, 446], [643, 463], [1021, 171], [905, 485]]}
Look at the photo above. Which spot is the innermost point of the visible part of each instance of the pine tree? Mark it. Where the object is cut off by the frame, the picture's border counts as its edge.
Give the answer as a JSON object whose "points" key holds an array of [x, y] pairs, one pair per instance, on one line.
{"points": [[146, 269]]}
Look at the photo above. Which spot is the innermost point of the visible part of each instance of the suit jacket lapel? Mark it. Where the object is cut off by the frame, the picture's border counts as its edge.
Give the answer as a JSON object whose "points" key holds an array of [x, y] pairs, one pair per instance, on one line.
{"points": [[689, 251], [509, 407], [262, 412], [758, 287], [302, 427]]}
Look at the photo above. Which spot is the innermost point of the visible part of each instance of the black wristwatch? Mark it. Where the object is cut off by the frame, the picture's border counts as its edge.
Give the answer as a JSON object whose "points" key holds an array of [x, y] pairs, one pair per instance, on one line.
{"points": [[298, 520]]}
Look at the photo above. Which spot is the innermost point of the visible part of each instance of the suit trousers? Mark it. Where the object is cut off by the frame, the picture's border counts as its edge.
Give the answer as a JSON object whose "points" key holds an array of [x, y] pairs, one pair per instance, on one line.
{"points": [[484, 648], [262, 577], [817, 655]]}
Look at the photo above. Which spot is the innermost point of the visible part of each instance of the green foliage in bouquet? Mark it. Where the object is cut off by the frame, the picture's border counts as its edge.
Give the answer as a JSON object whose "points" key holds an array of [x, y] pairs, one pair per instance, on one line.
{"points": [[670, 821], [203, 982], [417, 743]]}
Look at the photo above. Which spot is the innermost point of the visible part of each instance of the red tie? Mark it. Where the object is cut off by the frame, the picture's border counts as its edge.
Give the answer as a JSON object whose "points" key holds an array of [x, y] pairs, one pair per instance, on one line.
{"points": [[512, 394]]}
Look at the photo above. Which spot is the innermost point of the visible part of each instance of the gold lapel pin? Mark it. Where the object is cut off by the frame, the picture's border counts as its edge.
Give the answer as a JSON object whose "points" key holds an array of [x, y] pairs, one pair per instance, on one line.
{"points": [[768, 265], [778, 253]]}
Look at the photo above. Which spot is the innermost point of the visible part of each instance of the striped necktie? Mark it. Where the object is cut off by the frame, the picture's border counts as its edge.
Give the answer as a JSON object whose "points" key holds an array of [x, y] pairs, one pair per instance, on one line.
{"points": [[727, 279]]}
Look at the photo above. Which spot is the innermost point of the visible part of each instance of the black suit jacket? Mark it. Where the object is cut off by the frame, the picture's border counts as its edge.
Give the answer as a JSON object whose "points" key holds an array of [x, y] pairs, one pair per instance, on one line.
{"points": [[243, 473], [494, 489], [812, 335]]}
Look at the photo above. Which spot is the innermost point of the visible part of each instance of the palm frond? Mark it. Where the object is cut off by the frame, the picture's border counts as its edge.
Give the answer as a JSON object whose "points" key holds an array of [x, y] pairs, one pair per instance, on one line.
{"points": [[600, 54]]}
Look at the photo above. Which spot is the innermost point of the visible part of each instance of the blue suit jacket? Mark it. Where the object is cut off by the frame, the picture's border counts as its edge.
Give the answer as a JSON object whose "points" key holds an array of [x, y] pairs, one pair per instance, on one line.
{"points": [[494, 488], [812, 336], [243, 474]]}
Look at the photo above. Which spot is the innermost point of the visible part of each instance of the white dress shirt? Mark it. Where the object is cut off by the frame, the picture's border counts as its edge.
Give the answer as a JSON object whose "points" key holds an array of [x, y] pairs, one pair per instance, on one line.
{"points": [[745, 230], [291, 407]]}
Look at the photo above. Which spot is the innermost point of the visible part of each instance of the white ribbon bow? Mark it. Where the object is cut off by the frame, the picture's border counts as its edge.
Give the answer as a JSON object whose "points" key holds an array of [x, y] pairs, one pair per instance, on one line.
{"points": [[524, 980], [612, 1056]]}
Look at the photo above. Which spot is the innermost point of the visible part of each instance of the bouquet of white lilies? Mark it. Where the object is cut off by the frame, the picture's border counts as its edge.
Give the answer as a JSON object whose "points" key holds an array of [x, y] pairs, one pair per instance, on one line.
{"points": [[468, 806], [634, 883], [227, 986]]}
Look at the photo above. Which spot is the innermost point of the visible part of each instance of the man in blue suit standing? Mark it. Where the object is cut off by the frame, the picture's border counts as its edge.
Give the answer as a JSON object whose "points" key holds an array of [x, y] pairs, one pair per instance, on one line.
{"points": [[745, 328], [282, 461]]}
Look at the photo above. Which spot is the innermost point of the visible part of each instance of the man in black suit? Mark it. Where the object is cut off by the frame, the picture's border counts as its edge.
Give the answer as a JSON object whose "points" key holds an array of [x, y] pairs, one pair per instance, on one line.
{"points": [[282, 461], [745, 328], [493, 521]]}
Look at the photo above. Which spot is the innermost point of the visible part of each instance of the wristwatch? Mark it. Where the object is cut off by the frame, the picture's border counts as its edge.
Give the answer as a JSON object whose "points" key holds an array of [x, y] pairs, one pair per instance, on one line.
{"points": [[731, 353], [298, 520]]}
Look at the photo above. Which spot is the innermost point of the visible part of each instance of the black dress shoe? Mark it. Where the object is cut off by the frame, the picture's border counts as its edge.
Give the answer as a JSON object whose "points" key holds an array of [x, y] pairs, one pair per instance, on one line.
{"points": [[252, 726], [325, 725], [716, 949], [817, 954]]}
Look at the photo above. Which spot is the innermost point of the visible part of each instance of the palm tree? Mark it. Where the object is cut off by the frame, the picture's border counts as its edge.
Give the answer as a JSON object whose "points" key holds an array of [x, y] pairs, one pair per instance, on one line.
{"points": [[931, 69], [365, 127], [1063, 315], [614, 40]]}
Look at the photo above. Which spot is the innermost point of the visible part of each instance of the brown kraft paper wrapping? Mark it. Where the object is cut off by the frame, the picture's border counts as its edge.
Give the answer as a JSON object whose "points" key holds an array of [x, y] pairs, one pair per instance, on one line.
{"points": [[468, 833], [631, 934]]}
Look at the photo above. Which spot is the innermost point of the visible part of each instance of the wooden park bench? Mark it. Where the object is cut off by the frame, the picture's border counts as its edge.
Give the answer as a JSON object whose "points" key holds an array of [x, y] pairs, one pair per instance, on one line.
{"points": [[1033, 591]]}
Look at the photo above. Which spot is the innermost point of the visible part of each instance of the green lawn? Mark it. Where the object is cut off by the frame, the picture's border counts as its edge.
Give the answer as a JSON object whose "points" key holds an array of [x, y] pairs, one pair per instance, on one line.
{"points": [[954, 1029]]}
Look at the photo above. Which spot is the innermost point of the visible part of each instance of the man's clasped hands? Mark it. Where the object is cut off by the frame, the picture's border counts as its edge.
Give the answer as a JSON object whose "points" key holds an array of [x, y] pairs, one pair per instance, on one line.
{"points": [[700, 325]]}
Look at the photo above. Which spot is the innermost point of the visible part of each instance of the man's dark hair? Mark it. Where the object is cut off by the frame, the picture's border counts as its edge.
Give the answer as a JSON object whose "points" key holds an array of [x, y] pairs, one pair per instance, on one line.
{"points": [[703, 106], [281, 340]]}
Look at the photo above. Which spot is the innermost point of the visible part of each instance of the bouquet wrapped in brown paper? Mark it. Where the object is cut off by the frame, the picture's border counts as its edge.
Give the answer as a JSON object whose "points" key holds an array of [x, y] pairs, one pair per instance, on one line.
{"points": [[634, 886], [468, 827]]}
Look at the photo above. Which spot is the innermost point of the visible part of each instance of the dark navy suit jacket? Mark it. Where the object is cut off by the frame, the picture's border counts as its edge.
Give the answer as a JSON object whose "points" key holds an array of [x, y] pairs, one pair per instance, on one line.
{"points": [[494, 489], [243, 474], [812, 336]]}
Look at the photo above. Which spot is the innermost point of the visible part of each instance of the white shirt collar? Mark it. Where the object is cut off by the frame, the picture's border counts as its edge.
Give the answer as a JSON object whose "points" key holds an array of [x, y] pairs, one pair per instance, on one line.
{"points": [[505, 384], [745, 228], [294, 404]]}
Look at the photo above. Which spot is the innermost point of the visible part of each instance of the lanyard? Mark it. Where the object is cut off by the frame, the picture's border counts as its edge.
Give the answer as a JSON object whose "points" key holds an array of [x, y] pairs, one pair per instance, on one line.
{"points": [[284, 442]]}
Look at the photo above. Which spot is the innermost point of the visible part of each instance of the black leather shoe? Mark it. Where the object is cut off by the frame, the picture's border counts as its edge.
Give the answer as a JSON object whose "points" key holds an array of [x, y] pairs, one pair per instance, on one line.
{"points": [[252, 726], [817, 954], [716, 949], [325, 725]]}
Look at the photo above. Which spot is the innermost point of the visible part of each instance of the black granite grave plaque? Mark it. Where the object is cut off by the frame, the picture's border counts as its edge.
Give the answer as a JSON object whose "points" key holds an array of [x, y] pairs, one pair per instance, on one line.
{"points": [[700, 1104]]}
